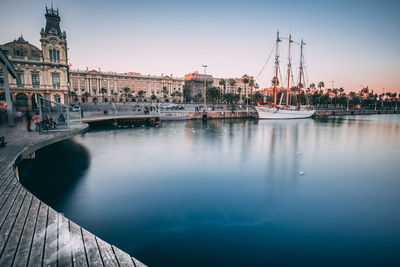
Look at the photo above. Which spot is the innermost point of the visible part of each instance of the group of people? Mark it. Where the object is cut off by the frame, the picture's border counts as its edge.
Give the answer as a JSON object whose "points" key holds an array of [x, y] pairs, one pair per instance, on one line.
{"points": [[47, 123], [36, 121]]}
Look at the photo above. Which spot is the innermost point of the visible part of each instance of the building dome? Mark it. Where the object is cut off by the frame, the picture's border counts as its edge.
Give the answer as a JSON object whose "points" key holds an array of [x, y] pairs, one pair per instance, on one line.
{"points": [[22, 48]]}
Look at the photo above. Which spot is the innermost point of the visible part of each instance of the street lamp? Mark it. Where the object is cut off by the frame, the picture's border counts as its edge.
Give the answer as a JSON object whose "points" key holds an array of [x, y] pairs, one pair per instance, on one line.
{"points": [[205, 86]]}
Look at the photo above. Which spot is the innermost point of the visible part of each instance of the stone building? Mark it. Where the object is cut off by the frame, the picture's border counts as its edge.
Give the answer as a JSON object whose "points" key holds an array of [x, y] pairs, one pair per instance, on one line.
{"points": [[97, 87], [42, 72], [226, 87], [195, 85]]}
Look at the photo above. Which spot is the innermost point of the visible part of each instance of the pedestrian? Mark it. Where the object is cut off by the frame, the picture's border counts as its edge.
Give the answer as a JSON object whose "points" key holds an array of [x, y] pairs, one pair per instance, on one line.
{"points": [[28, 117], [81, 112], [36, 121]]}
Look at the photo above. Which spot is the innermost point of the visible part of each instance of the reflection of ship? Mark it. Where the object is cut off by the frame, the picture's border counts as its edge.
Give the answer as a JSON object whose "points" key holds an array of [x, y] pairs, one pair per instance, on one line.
{"points": [[286, 111]]}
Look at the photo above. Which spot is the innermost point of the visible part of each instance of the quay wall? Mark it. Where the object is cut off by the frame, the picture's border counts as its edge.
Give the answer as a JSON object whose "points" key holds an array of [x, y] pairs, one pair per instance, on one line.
{"points": [[326, 113]]}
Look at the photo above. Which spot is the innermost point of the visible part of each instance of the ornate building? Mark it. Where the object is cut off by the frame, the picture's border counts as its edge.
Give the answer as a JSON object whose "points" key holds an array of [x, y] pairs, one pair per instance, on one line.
{"points": [[42, 72], [97, 87]]}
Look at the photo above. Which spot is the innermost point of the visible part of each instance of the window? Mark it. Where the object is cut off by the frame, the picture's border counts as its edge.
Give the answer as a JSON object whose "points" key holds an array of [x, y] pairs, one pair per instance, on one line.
{"points": [[22, 100], [20, 79], [54, 53], [55, 76], [20, 51], [57, 98], [35, 79]]}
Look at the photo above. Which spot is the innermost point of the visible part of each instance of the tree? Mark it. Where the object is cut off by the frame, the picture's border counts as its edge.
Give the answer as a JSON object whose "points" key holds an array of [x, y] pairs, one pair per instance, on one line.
{"points": [[213, 93], [245, 80], [153, 97], [239, 91], [86, 95], [312, 86], [223, 83], [321, 85], [103, 91], [140, 94], [273, 81], [127, 90], [257, 97], [228, 97], [232, 82], [251, 84]]}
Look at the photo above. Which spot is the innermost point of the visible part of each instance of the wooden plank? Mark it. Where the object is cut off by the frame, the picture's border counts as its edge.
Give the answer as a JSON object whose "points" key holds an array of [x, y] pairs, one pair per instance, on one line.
{"points": [[10, 217], [77, 245], [123, 258], [10, 249], [91, 248], [138, 263], [107, 253], [64, 242], [50, 249], [6, 194], [39, 238], [21, 257]]}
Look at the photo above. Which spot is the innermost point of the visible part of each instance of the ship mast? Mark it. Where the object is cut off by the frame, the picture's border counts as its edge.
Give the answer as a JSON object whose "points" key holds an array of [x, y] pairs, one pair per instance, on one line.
{"points": [[301, 69], [288, 78], [276, 67]]}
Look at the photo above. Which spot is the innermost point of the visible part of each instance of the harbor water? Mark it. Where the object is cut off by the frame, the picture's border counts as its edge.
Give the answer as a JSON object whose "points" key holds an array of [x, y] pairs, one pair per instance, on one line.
{"points": [[233, 192]]}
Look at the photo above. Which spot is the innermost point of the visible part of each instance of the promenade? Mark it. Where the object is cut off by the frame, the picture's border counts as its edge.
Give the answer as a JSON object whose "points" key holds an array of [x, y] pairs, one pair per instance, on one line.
{"points": [[31, 232]]}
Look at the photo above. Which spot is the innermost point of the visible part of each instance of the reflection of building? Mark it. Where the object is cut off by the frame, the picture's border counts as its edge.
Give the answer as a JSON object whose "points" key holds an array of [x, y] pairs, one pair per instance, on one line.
{"points": [[39, 72], [195, 84], [96, 87]]}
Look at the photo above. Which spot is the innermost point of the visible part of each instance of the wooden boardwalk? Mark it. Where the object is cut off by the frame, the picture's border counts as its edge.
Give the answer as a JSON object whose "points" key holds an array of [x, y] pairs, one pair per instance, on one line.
{"points": [[34, 234]]}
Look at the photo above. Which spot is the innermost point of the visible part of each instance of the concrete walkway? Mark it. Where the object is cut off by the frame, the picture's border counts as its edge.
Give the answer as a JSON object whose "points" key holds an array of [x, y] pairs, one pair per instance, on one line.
{"points": [[34, 234]]}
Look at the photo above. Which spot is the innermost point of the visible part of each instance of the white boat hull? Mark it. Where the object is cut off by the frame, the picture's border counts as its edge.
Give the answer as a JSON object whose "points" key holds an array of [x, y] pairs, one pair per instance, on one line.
{"points": [[268, 113]]}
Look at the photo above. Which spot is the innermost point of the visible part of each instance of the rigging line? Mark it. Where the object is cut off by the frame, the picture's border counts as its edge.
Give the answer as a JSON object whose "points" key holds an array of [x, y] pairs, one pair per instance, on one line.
{"points": [[265, 64]]}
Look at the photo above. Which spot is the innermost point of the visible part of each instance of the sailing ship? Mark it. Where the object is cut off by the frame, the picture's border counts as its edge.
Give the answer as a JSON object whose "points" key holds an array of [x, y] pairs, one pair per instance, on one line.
{"points": [[286, 111]]}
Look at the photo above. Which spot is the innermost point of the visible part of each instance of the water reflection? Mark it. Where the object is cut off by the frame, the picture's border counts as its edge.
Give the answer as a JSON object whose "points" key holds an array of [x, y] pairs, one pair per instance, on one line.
{"points": [[55, 171], [268, 192]]}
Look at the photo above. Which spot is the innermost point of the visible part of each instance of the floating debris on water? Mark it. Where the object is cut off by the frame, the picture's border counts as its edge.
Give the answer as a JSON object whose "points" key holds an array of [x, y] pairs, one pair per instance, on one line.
{"points": [[301, 172]]}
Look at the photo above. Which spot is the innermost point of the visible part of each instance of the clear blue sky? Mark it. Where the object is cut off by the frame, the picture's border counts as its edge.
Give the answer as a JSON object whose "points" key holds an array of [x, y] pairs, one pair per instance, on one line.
{"points": [[349, 42]]}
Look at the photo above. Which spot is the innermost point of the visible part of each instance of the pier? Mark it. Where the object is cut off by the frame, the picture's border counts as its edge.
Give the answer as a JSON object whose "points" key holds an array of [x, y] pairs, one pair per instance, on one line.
{"points": [[31, 232]]}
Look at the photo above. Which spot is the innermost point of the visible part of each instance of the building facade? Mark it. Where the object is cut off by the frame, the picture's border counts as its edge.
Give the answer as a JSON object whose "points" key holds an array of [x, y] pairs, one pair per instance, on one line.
{"points": [[40, 72], [195, 85], [98, 87]]}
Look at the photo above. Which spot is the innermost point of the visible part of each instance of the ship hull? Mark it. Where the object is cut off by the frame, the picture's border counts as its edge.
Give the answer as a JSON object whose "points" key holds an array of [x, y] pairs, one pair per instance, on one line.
{"points": [[267, 113]]}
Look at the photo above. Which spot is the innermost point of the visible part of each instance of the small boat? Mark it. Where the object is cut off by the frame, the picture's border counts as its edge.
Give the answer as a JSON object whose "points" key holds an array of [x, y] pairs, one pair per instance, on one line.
{"points": [[286, 111]]}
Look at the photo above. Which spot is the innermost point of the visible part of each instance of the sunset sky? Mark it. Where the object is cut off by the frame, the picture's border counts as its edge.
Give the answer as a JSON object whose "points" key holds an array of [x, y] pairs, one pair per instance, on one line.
{"points": [[352, 43]]}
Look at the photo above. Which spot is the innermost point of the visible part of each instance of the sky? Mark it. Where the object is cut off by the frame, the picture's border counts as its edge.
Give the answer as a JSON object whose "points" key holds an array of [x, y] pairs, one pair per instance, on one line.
{"points": [[353, 43]]}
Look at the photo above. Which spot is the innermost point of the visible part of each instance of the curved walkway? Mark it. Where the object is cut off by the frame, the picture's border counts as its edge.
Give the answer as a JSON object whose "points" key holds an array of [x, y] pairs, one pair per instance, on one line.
{"points": [[34, 234]]}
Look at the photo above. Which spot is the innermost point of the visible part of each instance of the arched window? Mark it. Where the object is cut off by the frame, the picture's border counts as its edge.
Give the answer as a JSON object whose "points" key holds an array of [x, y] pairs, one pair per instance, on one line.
{"points": [[54, 53], [57, 98], [22, 100], [106, 99], [94, 100], [83, 100], [55, 76]]}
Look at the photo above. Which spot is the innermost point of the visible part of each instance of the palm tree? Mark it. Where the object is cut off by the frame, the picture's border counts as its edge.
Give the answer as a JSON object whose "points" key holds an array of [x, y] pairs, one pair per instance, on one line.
{"points": [[214, 94], [320, 85], [103, 91], [273, 82], [223, 83], [257, 97], [251, 84], [239, 91], [86, 95], [127, 90], [153, 97], [232, 82], [228, 97], [312, 86], [140, 94], [245, 80]]}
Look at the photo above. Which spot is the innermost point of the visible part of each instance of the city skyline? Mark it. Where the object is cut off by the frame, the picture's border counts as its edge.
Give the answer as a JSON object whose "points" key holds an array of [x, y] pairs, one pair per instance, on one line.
{"points": [[353, 44]]}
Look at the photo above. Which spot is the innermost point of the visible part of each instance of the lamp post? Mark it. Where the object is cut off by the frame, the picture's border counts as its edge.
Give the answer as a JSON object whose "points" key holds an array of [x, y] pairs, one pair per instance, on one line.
{"points": [[205, 86]]}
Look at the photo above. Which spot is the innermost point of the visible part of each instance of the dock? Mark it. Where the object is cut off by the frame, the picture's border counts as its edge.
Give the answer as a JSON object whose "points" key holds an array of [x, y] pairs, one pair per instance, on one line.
{"points": [[31, 232]]}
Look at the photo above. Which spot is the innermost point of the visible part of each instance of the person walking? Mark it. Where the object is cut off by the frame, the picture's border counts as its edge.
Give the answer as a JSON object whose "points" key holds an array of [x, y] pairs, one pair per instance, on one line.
{"points": [[28, 117], [36, 121]]}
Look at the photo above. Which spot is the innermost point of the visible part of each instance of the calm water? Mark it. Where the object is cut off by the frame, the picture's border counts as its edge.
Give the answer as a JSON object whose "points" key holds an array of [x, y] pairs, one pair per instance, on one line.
{"points": [[227, 193]]}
